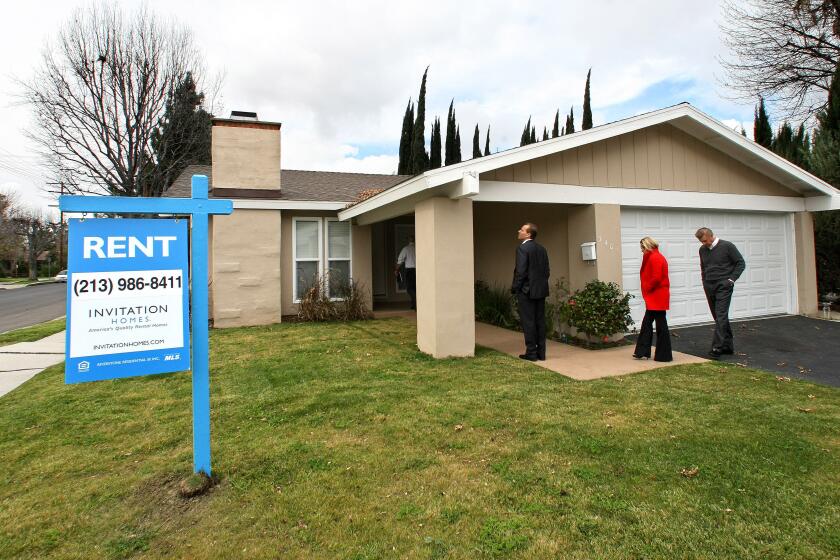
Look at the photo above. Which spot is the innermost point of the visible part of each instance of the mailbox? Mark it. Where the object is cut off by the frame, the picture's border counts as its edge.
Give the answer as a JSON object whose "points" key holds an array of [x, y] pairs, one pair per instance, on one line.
{"points": [[587, 251]]}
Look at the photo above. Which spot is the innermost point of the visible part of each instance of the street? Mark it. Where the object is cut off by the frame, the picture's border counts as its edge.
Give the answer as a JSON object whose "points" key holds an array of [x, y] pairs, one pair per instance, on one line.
{"points": [[27, 306]]}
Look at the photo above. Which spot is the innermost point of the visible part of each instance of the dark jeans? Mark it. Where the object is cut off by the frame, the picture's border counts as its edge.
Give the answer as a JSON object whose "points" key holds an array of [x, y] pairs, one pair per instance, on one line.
{"points": [[411, 285], [719, 296], [532, 315], [663, 337]]}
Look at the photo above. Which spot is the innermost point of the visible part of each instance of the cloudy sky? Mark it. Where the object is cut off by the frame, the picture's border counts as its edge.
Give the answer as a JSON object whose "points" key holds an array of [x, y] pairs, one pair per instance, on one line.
{"points": [[338, 75]]}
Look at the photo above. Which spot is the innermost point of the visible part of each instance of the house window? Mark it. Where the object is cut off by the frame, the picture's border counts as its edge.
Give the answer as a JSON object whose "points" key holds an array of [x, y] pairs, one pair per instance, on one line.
{"points": [[338, 256], [307, 253]]}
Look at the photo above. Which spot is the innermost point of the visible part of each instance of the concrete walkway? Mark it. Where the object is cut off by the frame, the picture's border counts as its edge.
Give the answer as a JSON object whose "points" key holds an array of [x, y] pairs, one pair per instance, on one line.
{"points": [[565, 359], [20, 362]]}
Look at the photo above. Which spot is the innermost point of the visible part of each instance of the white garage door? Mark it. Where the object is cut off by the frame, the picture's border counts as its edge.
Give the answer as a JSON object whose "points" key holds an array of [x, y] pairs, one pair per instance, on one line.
{"points": [[763, 239]]}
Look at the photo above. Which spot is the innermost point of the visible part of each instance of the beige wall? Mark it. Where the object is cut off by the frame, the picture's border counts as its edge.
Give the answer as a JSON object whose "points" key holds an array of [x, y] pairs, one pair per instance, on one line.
{"points": [[360, 258], [246, 156], [600, 223], [806, 262], [445, 286], [246, 280], [494, 232], [658, 157]]}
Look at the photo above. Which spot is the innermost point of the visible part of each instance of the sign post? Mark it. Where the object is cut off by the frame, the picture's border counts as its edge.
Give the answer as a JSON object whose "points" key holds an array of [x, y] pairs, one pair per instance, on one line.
{"points": [[127, 299]]}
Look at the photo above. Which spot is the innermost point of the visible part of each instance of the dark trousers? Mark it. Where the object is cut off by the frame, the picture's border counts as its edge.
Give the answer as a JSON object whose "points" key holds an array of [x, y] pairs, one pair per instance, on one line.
{"points": [[719, 296], [663, 337], [411, 285], [532, 315]]}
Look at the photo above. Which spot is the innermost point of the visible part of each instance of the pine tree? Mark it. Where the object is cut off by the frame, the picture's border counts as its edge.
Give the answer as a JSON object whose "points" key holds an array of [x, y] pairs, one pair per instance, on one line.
{"points": [[570, 127], [825, 162], [586, 124], [476, 144], [419, 157], [487, 142], [526, 134], [457, 144], [762, 133], [451, 127], [434, 155], [406, 137], [555, 132], [545, 133], [182, 136], [533, 139]]}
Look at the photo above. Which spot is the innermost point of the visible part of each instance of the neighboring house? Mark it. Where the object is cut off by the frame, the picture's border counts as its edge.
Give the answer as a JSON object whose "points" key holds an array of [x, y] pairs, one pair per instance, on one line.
{"points": [[664, 174]]}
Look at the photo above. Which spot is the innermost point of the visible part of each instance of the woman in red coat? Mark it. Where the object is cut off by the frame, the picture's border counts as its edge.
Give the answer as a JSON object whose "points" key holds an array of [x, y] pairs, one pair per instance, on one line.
{"points": [[656, 291]]}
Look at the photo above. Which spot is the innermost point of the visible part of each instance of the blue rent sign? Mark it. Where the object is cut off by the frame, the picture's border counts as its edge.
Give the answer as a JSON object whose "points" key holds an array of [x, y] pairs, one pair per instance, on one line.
{"points": [[127, 298]]}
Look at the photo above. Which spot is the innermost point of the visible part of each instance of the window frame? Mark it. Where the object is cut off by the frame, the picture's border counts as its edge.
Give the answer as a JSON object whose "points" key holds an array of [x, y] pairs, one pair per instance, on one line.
{"points": [[318, 259], [328, 259]]}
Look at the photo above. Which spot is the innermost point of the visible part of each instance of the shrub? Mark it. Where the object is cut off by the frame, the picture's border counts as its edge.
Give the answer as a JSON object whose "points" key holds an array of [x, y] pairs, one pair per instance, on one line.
{"points": [[599, 310], [349, 305], [495, 305]]}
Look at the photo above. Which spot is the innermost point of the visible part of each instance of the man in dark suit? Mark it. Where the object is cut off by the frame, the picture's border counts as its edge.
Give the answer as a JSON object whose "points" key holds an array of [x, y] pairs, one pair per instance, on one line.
{"points": [[720, 266], [530, 285]]}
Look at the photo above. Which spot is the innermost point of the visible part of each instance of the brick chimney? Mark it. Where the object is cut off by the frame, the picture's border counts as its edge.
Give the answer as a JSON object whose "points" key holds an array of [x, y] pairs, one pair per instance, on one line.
{"points": [[246, 157]]}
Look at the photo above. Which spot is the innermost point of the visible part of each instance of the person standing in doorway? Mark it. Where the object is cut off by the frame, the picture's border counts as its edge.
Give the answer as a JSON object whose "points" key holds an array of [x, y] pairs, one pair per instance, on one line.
{"points": [[721, 264], [408, 258], [530, 286], [656, 291]]}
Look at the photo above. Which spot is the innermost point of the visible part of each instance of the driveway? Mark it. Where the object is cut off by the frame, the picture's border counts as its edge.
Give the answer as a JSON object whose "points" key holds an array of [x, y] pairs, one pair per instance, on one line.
{"points": [[793, 346], [31, 305]]}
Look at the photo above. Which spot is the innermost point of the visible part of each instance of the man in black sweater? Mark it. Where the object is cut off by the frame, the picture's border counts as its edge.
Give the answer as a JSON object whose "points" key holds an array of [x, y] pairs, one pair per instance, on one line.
{"points": [[530, 285], [720, 266]]}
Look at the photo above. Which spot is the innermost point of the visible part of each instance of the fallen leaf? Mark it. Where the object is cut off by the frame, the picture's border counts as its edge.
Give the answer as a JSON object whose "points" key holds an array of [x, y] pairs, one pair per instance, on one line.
{"points": [[727, 510], [459, 427], [801, 409], [812, 396], [781, 378], [690, 472], [781, 364]]}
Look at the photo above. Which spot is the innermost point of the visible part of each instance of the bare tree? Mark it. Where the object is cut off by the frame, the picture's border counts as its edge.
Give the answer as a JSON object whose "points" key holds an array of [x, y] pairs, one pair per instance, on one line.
{"points": [[9, 207], [101, 90], [782, 50]]}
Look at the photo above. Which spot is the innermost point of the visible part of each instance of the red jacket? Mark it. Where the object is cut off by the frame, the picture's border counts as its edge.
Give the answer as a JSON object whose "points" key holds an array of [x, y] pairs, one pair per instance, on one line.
{"points": [[656, 287]]}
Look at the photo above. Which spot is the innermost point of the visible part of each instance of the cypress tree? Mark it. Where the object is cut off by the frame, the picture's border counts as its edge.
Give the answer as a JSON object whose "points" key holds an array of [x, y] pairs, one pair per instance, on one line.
{"points": [[476, 144], [434, 155], [487, 142], [555, 132], [545, 133], [586, 124], [825, 162], [570, 128], [526, 134], [419, 157], [449, 152], [762, 133], [533, 135], [563, 130], [457, 143], [406, 137]]}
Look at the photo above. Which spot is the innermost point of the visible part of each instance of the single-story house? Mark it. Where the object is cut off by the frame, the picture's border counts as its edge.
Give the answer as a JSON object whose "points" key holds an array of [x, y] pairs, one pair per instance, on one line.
{"points": [[664, 174]]}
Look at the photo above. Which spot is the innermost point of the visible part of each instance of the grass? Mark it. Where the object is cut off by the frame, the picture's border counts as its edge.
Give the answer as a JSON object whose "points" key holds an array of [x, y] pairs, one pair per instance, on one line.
{"points": [[30, 334], [343, 441]]}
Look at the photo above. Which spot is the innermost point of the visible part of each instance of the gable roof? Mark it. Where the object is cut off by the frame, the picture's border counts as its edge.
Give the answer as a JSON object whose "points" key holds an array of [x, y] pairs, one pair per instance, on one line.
{"points": [[683, 116], [297, 185]]}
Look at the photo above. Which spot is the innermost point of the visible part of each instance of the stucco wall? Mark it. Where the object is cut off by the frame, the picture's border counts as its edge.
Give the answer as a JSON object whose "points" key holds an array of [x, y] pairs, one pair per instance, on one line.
{"points": [[246, 280], [494, 232], [658, 157], [806, 262], [246, 156], [360, 258]]}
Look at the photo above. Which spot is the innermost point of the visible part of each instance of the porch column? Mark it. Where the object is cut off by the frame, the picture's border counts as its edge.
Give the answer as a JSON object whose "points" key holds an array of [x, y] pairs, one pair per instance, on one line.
{"points": [[443, 231], [600, 223], [806, 262]]}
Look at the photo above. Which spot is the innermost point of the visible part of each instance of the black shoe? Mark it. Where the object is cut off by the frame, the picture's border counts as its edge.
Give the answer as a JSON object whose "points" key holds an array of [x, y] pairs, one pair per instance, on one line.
{"points": [[541, 358], [636, 357], [715, 353], [528, 357], [729, 351]]}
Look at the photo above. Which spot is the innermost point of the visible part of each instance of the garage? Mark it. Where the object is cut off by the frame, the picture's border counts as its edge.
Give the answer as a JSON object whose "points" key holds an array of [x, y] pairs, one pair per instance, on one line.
{"points": [[767, 286]]}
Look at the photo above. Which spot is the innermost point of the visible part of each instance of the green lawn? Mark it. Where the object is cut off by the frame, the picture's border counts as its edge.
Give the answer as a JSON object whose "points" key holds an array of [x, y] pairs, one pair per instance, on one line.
{"points": [[30, 334], [343, 441]]}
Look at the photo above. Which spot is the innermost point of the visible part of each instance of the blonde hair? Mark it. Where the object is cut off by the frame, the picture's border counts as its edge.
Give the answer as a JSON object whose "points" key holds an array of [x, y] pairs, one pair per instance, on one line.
{"points": [[649, 243]]}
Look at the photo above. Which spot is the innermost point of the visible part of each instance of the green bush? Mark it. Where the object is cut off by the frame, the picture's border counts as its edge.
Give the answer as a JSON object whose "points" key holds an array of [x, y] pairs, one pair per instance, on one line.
{"points": [[495, 305], [599, 310]]}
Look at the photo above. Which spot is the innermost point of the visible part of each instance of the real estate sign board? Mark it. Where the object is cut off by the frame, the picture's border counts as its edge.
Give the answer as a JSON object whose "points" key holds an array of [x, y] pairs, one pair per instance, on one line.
{"points": [[127, 298]]}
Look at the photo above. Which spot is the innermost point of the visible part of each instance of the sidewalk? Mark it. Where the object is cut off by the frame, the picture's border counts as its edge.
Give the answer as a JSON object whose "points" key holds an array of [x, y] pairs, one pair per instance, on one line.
{"points": [[22, 361], [572, 361]]}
